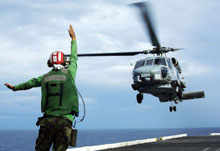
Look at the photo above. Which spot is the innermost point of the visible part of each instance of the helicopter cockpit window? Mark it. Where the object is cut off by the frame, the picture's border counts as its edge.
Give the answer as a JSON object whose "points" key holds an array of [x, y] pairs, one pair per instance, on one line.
{"points": [[169, 64], [139, 64], [160, 61], [149, 62]]}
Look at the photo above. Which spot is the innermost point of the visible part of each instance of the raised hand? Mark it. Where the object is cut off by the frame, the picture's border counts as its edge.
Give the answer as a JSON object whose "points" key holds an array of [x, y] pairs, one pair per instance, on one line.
{"points": [[71, 33]]}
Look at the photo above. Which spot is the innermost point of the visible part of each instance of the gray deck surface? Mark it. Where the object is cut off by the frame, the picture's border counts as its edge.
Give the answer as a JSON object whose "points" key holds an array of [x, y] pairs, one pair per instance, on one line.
{"points": [[190, 143]]}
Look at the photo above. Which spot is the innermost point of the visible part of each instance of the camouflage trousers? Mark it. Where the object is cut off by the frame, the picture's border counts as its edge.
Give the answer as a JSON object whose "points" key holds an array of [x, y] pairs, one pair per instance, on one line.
{"points": [[53, 131]]}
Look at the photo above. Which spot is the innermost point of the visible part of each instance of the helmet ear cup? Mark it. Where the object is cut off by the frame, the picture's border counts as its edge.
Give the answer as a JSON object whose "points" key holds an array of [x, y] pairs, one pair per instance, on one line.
{"points": [[66, 62], [49, 64]]}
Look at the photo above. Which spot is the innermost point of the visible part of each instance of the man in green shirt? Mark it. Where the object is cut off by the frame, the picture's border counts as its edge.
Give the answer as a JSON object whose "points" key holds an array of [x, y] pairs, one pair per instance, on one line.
{"points": [[59, 101]]}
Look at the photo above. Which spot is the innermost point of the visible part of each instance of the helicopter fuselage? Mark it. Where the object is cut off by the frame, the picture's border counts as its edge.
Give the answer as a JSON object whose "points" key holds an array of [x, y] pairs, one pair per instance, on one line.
{"points": [[159, 76]]}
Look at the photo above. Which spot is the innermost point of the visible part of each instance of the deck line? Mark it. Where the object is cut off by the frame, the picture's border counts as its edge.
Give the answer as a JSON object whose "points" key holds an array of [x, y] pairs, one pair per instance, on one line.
{"points": [[124, 144]]}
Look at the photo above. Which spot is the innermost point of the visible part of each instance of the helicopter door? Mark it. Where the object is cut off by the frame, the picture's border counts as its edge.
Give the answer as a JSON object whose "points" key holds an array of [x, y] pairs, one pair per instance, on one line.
{"points": [[173, 70]]}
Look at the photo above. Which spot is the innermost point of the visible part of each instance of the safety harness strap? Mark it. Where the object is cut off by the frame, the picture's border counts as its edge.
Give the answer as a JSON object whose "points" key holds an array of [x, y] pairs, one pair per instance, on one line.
{"points": [[47, 94], [61, 93], [54, 94]]}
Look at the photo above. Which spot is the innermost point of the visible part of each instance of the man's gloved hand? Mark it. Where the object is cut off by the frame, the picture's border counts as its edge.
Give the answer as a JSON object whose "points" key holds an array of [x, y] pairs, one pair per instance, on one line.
{"points": [[10, 86], [71, 33]]}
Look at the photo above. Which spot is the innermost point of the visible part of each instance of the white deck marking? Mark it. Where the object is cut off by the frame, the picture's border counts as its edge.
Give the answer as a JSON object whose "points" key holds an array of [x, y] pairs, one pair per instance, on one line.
{"points": [[206, 149]]}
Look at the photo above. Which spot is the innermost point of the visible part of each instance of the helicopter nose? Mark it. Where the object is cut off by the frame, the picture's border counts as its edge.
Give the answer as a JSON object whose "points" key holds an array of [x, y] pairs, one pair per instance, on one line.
{"points": [[164, 72], [159, 73], [156, 74], [140, 76]]}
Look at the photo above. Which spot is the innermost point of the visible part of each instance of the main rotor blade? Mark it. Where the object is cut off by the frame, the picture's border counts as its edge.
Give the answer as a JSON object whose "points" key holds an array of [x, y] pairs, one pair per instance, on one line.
{"points": [[110, 54], [145, 13]]}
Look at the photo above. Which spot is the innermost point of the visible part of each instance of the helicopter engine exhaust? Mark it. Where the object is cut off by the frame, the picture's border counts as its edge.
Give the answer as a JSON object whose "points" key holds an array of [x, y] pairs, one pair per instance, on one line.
{"points": [[193, 95], [175, 62]]}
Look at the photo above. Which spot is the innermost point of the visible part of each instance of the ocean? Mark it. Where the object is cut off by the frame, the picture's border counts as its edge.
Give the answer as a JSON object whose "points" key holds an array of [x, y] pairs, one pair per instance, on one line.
{"points": [[24, 140]]}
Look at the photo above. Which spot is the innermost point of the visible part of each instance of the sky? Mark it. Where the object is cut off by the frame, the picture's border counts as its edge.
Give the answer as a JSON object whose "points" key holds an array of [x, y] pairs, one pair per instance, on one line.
{"points": [[31, 30]]}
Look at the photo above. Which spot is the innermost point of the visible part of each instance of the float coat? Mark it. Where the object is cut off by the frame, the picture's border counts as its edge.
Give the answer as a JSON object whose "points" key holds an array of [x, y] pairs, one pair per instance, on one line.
{"points": [[59, 95]]}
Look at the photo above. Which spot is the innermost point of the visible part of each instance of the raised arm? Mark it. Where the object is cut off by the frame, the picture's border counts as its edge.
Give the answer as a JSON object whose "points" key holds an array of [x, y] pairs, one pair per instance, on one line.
{"points": [[73, 57]]}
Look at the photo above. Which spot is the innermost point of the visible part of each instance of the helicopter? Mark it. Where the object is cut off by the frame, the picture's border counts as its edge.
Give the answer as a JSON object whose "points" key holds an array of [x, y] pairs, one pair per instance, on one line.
{"points": [[157, 75]]}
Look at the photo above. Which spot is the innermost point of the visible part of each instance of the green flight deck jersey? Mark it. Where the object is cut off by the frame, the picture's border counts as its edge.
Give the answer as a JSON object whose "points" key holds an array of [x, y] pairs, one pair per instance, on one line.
{"points": [[59, 94]]}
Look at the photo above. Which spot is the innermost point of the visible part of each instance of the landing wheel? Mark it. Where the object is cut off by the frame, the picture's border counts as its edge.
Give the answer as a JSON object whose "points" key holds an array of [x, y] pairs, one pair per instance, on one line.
{"points": [[172, 108], [139, 98]]}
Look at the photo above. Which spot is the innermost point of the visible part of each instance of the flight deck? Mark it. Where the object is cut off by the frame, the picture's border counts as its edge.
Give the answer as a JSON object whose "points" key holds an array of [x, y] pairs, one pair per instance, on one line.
{"points": [[191, 143], [180, 142]]}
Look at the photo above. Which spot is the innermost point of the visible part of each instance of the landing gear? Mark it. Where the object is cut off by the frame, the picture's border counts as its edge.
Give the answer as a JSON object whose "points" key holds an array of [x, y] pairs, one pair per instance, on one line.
{"points": [[172, 108], [139, 98], [179, 93], [174, 83]]}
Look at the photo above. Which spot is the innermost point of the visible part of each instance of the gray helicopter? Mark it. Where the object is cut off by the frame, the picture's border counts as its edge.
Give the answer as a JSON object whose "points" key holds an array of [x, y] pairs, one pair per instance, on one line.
{"points": [[157, 75], [161, 77]]}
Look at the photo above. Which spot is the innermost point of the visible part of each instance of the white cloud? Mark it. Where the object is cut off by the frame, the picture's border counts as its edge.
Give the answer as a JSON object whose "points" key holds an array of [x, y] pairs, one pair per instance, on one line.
{"points": [[20, 101], [145, 107], [105, 72], [103, 27], [88, 100], [194, 68], [7, 117], [31, 30], [137, 108]]}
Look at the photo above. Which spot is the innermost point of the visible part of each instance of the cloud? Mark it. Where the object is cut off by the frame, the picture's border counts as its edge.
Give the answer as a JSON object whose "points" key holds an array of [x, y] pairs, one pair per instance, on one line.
{"points": [[31, 30], [89, 100], [145, 107], [103, 27], [105, 73], [7, 117], [137, 108], [193, 68], [20, 102]]}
